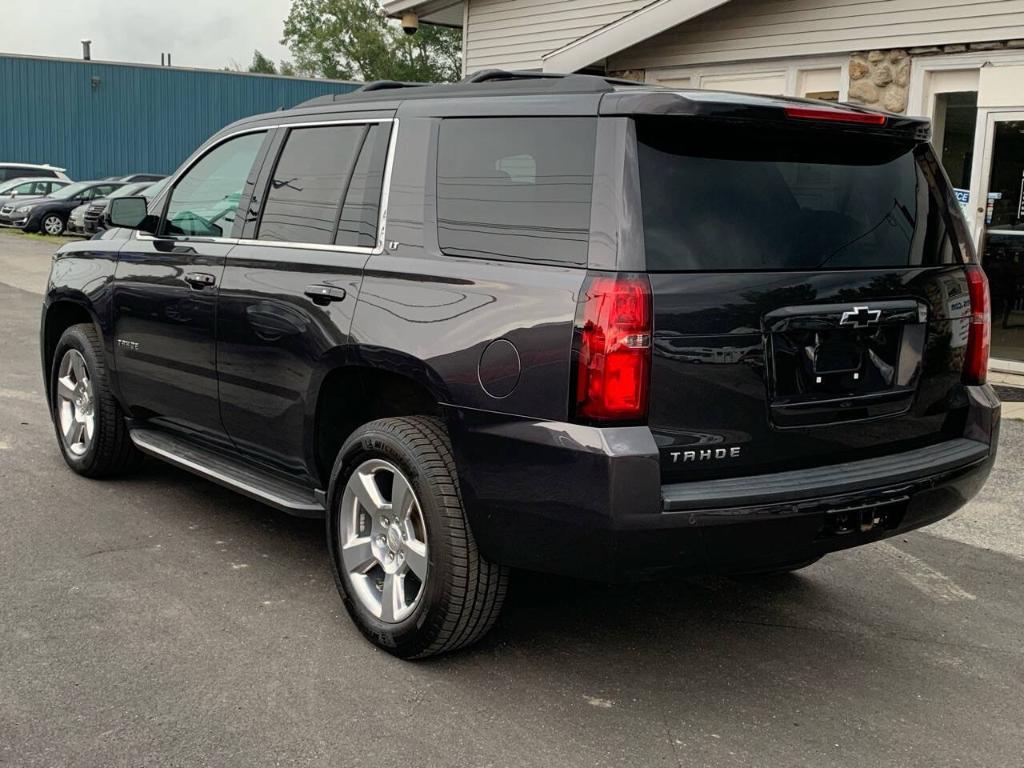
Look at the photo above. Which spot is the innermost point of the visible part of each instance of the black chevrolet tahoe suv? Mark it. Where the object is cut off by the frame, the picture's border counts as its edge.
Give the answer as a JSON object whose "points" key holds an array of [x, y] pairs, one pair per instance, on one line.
{"points": [[566, 324]]}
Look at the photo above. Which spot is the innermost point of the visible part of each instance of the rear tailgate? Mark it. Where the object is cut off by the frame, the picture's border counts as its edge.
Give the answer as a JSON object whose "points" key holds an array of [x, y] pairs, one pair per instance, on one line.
{"points": [[810, 302]]}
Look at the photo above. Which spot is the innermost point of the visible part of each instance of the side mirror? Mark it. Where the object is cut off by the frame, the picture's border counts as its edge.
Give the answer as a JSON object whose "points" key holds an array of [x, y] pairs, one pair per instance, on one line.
{"points": [[127, 212]]}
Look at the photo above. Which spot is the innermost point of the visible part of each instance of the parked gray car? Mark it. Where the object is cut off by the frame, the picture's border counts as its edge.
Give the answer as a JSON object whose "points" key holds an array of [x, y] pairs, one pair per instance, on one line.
{"points": [[88, 217]]}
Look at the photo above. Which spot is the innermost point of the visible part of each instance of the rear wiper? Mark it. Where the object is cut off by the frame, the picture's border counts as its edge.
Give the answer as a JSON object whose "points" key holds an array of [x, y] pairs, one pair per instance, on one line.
{"points": [[885, 217]]}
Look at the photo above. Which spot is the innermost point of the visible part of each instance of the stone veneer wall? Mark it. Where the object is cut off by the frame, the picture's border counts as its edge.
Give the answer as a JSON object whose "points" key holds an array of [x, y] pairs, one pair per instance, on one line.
{"points": [[880, 79]]}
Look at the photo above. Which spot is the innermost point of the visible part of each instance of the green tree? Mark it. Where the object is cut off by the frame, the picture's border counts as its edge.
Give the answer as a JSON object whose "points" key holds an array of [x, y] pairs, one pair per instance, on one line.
{"points": [[261, 64], [354, 39]]}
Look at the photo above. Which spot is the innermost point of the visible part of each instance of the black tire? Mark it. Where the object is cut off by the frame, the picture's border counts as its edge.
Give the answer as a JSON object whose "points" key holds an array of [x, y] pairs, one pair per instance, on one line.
{"points": [[57, 220], [462, 594], [110, 451]]}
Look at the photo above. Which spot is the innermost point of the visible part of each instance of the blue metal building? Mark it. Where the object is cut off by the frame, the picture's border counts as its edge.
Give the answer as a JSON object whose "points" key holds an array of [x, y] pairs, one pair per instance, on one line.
{"points": [[102, 119]]}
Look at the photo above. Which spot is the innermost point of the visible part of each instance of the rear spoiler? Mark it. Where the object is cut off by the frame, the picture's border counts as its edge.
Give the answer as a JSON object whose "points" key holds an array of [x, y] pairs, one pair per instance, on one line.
{"points": [[783, 112]]}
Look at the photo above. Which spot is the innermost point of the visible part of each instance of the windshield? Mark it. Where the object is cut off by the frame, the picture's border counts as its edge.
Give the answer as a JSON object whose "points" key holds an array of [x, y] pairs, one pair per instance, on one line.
{"points": [[724, 197], [70, 191], [7, 186]]}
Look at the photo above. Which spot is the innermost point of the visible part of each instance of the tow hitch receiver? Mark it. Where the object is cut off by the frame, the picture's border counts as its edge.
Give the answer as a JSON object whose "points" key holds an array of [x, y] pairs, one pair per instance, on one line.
{"points": [[864, 518]]}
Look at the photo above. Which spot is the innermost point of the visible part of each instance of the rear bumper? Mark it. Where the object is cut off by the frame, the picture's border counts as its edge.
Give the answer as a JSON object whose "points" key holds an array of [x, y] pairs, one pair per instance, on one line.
{"points": [[587, 502]]}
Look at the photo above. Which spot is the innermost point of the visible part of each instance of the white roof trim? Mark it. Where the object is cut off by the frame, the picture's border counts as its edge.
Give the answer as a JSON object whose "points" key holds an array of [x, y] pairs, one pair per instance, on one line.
{"points": [[621, 34], [429, 11], [398, 6]]}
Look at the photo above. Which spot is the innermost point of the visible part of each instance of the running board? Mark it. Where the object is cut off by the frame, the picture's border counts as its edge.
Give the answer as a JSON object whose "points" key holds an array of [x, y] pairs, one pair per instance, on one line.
{"points": [[231, 473]]}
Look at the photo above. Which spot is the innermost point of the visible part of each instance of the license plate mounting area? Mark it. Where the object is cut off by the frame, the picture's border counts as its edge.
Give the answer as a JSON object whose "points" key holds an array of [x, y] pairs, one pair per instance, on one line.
{"points": [[831, 363]]}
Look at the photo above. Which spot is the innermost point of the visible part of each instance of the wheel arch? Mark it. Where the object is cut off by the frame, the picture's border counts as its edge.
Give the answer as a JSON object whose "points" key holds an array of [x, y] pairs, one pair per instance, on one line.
{"points": [[363, 385], [60, 314]]}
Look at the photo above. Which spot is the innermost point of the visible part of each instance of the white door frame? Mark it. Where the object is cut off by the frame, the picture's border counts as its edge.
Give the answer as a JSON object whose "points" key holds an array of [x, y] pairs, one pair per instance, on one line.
{"points": [[981, 173], [982, 168]]}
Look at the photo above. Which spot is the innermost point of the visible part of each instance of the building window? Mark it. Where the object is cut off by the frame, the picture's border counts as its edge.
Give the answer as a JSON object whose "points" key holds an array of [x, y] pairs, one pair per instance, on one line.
{"points": [[822, 84], [767, 83], [956, 114]]}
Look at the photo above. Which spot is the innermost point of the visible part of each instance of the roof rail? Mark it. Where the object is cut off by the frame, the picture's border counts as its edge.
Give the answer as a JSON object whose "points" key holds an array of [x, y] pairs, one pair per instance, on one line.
{"points": [[373, 85], [490, 75], [486, 75], [489, 82], [383, 85]]}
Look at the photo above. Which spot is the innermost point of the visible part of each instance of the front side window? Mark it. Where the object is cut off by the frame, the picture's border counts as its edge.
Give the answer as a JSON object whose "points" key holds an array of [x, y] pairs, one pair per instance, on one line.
{"points": [[205, 200], [516, 189], [326, 186]]}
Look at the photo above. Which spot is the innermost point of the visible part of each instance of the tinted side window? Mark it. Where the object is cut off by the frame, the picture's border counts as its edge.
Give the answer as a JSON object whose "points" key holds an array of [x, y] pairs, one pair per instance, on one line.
{"points": [[516, 189], [205, 199], [51, 174], [306, 189], [360, 214]]}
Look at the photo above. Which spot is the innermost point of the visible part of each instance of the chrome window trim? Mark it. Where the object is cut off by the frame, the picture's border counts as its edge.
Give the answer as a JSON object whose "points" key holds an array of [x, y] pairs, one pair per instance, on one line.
{"points": [[382, 213]]}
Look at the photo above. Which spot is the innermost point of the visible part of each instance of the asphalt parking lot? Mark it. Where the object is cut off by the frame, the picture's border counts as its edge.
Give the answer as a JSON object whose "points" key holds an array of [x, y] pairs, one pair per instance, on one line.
{"points": [[164, 621]]}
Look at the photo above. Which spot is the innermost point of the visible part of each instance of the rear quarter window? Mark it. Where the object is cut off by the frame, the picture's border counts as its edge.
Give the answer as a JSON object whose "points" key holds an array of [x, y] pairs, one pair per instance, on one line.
{"points": [[723, 197], [516, 189]]}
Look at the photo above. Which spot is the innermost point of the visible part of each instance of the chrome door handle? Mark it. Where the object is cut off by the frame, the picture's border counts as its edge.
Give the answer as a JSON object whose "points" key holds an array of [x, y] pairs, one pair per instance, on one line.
{"points": [[323, 295], [200, 279]]}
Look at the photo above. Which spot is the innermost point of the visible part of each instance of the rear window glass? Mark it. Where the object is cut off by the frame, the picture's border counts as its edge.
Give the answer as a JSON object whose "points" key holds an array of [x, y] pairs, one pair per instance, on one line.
{"points": [[719, 197], [516, 188]]}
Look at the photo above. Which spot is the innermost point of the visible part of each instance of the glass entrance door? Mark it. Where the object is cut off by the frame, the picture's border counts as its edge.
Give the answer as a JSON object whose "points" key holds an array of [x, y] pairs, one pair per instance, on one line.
{"points": [[1002, 235]]}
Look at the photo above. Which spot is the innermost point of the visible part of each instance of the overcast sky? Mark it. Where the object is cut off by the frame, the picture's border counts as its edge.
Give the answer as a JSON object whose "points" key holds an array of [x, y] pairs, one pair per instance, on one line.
{"points": [[198, 33]]}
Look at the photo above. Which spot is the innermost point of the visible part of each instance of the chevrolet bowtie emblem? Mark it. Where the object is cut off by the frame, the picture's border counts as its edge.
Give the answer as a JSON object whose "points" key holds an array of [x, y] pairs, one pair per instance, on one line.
{"points": [[860, 317]]}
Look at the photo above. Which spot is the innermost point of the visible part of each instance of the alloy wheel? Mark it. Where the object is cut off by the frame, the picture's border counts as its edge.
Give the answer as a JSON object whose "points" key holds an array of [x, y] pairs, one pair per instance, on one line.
{"points": [[53, 225], [76, 403], [383, 540]]}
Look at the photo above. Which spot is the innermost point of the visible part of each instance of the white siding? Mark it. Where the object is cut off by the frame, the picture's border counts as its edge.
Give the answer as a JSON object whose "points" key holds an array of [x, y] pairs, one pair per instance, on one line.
{"points": [[759, 29], [514, 34]]}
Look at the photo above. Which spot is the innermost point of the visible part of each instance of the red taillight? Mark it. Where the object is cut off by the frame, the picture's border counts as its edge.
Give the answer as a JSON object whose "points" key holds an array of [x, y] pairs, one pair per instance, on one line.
{"points": [[979, 333], [835, 115], [613, 374]]}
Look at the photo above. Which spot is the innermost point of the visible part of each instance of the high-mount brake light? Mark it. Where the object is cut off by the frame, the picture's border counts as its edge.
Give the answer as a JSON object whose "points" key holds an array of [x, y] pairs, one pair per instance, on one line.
{"points": [[835, 115], [979, 332], [614, 367]]}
